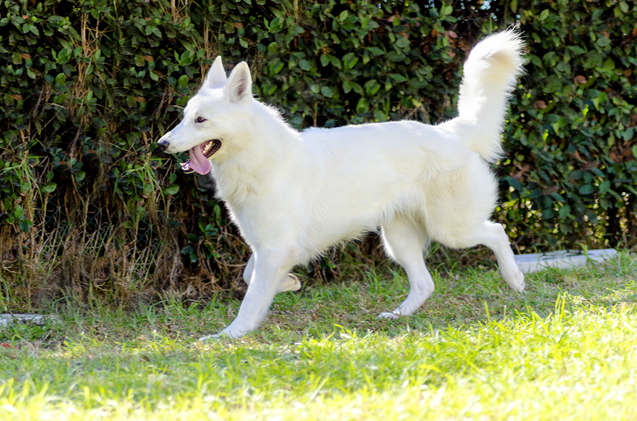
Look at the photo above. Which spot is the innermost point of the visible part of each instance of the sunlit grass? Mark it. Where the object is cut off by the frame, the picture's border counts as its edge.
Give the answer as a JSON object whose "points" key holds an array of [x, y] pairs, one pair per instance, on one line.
{"points": [[564, 349]]}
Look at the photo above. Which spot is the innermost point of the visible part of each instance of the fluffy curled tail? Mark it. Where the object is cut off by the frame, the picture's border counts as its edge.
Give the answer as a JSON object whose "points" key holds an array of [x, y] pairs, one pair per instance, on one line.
{"points": [[490, 74]]}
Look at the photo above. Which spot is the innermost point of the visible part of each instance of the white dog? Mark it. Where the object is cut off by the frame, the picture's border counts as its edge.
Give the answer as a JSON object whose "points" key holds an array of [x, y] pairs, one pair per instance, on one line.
{"points": [[294, 194]]}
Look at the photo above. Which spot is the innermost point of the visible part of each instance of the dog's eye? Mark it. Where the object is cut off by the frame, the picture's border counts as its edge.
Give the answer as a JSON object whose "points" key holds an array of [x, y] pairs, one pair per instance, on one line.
{"points": [[200, 119]]}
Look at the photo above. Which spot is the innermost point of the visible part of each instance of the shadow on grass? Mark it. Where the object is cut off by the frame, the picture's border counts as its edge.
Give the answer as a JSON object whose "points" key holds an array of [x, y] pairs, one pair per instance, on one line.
{"points": [[463, 298]]}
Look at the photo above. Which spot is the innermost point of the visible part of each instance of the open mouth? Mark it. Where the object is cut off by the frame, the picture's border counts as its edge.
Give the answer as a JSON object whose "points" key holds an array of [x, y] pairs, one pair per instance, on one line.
{"points": [[200, 155]]}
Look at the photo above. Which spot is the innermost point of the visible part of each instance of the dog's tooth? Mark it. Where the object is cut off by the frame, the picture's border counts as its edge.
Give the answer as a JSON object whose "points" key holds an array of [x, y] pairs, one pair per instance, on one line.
{"points": [[185, 167]]}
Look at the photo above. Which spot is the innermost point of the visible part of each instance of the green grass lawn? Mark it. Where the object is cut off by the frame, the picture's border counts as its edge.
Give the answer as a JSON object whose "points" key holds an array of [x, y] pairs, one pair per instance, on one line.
{"points": [[564, 349]]}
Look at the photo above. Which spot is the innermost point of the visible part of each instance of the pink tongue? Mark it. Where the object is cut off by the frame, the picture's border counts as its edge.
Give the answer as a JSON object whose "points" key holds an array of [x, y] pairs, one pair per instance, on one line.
{"points": [[198, 162]]}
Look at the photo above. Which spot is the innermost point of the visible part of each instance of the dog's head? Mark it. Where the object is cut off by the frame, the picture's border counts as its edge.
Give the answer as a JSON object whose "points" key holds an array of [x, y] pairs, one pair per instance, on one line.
{"points": [[210, 117]]}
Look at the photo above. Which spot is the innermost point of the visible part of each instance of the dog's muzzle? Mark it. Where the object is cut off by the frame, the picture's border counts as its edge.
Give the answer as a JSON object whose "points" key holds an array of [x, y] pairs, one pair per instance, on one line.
{"points": [[163, 144]]}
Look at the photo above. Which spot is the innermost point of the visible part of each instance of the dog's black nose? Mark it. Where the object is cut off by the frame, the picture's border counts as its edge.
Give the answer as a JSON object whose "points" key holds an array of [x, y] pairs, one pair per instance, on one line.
{"points": [[163, 144]]}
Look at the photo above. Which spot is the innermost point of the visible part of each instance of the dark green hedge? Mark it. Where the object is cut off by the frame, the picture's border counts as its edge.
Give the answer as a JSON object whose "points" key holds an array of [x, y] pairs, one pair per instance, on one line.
{"points": [[87, 87]]}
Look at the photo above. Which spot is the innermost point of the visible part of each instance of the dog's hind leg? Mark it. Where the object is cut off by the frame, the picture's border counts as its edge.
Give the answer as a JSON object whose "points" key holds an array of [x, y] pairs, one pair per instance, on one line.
{"points": [[404, 242], [493, 236], [289, 283]]}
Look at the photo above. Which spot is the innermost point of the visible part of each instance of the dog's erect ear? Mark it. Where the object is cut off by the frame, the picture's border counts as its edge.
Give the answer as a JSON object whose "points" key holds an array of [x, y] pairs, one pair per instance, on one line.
{"points": [[216, 77], [239, 83]]}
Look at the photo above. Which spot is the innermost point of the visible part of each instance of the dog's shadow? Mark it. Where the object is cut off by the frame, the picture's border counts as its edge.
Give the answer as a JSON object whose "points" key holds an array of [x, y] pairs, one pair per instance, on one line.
{"points": [[462, 299]]}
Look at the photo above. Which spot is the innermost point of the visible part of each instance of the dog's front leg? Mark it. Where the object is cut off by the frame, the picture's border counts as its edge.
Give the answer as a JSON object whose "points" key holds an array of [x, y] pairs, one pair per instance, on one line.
{"points": [[289, 283], [249, 270], [271, 267]]}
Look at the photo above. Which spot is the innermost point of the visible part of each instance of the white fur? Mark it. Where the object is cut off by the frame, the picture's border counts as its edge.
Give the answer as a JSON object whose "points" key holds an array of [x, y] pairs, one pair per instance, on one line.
{"points": [[294, 194]]}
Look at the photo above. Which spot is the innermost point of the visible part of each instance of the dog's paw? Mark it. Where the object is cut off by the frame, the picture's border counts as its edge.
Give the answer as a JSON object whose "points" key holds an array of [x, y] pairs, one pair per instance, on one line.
{"points": [[387, 315], [516, 280], [290, 283], [229, 332], [208, 338]]}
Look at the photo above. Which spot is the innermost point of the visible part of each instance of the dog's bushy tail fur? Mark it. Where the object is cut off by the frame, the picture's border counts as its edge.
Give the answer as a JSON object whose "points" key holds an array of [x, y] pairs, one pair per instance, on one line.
{"points": [[490, 74]]}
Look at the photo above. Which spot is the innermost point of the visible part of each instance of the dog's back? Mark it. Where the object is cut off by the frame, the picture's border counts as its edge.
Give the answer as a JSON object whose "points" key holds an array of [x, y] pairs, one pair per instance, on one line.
{"points": [[374, 172]]}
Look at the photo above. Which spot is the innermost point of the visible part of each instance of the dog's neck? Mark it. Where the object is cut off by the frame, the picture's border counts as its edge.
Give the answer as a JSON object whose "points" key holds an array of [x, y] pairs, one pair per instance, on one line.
{"points": [[266, 143]]}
